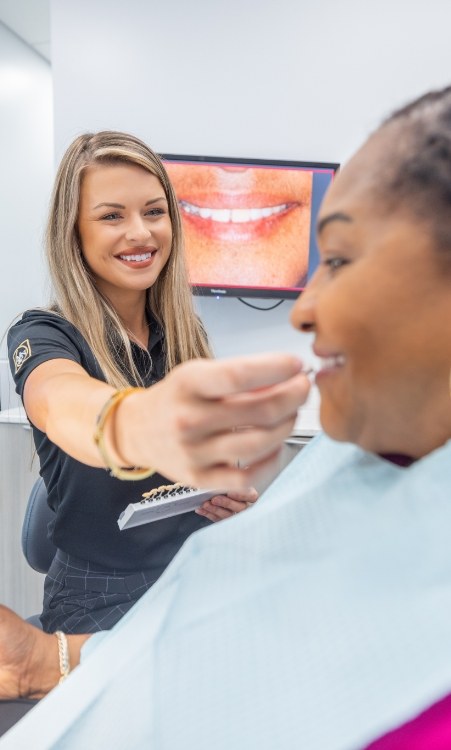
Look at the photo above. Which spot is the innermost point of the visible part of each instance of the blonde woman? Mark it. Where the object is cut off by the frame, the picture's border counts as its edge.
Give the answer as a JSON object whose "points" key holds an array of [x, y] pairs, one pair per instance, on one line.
{"points": [[111, 351]]}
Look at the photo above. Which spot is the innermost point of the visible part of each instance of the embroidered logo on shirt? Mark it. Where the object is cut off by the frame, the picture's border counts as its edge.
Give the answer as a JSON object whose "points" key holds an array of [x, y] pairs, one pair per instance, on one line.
{"points": [[22, 353]]}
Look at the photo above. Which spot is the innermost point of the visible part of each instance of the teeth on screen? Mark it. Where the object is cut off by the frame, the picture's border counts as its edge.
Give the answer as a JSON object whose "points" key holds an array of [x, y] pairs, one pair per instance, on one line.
{"points": [[234, 215]]}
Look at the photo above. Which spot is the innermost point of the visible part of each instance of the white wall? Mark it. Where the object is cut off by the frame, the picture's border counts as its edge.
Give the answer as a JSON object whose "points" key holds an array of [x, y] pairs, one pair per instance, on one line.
{"points": [[26, 157], [292, 78]]}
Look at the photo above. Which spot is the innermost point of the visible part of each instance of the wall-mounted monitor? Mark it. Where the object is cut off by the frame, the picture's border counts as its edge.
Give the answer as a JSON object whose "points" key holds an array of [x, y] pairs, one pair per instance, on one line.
{"points": [[249, 223]]}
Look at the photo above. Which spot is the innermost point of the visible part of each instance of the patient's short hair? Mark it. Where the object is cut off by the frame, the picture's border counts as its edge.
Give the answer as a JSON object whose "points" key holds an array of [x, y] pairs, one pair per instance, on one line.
{"points": [[417, 172]]}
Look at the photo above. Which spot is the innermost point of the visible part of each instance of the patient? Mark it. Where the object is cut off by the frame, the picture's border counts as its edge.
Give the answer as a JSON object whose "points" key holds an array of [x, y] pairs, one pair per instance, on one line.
{"points": [[321, 619]]}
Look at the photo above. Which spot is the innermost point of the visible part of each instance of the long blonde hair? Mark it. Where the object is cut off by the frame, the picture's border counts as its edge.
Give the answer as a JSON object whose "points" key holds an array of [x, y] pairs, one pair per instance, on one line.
{"points": [[76, 297]]}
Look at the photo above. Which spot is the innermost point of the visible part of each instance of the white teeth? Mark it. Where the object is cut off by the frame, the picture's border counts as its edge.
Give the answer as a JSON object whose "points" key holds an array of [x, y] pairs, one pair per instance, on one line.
{"points": [[232, 215], [141, 257], [337, 360]]}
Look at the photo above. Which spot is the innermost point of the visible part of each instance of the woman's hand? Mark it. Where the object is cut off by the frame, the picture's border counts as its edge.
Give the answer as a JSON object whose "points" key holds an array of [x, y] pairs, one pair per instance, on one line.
{"points": [[16, 642], [29, 661], [19, 647], [210, 418], [224, 506], [200, 425]]}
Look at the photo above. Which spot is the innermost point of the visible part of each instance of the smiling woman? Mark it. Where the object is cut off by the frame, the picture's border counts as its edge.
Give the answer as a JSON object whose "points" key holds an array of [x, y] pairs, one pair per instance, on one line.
{"points": [[381, 275], [106, 383]]}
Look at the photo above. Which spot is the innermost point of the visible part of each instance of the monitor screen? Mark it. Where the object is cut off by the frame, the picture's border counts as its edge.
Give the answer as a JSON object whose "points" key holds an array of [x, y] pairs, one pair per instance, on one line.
{"points": [[249, 224]]}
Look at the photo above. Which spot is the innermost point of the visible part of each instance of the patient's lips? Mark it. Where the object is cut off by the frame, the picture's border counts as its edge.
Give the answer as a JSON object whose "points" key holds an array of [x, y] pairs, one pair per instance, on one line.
{"points": [[236, 203]]}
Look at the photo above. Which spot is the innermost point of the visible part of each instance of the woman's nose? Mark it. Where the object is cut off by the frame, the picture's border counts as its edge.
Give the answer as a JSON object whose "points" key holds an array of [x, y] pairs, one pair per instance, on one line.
{"points": [[137, 230]]}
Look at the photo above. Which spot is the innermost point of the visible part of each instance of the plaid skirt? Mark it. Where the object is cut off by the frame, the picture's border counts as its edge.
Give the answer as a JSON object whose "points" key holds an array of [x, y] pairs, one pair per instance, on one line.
{"points": [[81, 597]]}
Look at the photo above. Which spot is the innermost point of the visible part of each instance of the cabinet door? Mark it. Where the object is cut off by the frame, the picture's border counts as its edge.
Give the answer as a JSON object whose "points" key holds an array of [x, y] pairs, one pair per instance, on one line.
{"points": [[20, 586]]}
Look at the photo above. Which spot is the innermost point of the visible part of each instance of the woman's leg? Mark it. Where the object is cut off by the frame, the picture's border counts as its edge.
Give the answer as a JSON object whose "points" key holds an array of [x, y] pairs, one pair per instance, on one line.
{"points": [[80, 597]]}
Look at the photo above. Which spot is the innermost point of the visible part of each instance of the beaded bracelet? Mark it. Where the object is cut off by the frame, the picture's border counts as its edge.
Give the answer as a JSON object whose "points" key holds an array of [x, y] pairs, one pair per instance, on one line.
{"points": [[63, 655], [134, 473]]}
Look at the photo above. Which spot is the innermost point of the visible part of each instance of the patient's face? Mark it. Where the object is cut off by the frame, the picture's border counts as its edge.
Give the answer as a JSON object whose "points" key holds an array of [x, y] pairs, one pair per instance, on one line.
{"points": [[380, 306]]}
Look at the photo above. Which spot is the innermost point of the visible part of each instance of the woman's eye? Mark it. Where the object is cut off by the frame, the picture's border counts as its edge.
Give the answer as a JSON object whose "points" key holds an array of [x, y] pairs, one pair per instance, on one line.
{"points": [[335, 263], [111, 217], [155, 212]]}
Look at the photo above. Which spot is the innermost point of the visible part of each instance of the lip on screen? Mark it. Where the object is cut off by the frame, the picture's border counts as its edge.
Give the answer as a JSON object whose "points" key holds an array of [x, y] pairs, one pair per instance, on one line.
{"points": [[231, 221]]}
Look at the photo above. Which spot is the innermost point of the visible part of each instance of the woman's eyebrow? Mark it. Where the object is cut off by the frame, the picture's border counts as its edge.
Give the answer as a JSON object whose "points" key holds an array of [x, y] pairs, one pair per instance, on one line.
{"points": [[156, 200], [119, 205], [338, 216], [109, 205]]}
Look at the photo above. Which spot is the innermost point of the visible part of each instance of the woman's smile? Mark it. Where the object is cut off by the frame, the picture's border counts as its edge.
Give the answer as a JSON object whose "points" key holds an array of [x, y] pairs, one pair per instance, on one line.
{"points": [[141, 258]]}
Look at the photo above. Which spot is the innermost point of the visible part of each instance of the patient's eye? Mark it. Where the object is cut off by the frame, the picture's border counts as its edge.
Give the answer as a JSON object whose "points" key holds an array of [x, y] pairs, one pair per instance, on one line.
{"points": [[334, 263]]}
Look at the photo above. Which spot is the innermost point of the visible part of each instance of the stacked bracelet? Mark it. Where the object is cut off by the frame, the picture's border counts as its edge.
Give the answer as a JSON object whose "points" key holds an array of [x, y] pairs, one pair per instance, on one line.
{"points": [[108, 410], [63, 655]]}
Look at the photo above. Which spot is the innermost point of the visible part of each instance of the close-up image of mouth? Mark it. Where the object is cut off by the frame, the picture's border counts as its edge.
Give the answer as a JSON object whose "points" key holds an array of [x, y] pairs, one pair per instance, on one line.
{"points": [[233, 222]]}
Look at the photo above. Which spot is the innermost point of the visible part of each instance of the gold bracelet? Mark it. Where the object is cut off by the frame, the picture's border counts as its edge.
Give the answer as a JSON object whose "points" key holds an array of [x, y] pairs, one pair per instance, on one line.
{"points": [[63, 655], [134, 473]]}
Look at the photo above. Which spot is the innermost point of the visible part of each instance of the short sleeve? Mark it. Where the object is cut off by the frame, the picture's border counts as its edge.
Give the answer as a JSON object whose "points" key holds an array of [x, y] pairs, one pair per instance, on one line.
{"points": [[38, 337]]}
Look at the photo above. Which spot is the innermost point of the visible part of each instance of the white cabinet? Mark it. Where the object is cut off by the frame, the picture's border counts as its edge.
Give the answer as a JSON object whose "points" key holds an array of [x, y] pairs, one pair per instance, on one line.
{"points": [[20, 586]]}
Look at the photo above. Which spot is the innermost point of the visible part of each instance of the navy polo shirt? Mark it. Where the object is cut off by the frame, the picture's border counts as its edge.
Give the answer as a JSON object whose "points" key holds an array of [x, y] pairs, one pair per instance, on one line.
{"points": [[87, 501]]}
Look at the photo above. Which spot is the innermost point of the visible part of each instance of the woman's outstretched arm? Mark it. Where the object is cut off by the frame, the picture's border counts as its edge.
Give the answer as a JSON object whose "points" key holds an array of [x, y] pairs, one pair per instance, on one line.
{"points": [[200, 425]]}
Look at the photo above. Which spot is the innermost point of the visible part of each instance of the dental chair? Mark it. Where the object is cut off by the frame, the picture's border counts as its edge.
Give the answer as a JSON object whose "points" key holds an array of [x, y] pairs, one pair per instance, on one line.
{"points": [[38, 549]]}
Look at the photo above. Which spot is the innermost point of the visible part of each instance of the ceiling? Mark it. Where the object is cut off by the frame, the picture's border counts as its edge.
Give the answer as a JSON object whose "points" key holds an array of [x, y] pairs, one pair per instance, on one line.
{"points": [[29, 19]]}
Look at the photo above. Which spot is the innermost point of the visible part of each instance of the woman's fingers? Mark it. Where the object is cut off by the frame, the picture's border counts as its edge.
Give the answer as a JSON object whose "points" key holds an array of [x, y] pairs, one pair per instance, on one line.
{"points": [[195, 419], [214, 513], [240, 448], [234, 478], [249, 495], [224, 506], [213, 379], [199, 426]]}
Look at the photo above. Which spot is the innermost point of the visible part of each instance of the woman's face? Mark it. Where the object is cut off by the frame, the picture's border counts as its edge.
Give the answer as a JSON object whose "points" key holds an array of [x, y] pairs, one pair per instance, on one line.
{"points": [[244, 226], [124, 227], [380, 307]]}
